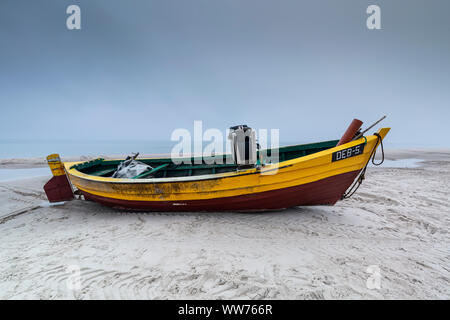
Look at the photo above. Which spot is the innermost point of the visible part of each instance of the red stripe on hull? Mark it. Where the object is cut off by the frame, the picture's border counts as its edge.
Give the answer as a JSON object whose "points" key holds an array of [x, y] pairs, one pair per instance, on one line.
{"points": [[323, 192]]}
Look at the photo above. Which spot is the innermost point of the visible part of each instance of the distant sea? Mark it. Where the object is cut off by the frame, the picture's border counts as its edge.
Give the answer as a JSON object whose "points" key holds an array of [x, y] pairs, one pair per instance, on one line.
{"points": [[75, 148], [15, 148]]}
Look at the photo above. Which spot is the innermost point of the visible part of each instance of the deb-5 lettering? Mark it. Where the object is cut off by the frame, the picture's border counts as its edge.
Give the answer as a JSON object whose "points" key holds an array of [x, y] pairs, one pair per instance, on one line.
{"points": [[348, 153]]}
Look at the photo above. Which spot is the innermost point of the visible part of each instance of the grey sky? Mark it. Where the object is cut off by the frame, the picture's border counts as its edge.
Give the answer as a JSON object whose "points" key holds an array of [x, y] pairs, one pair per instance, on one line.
{"points": [[139, 69]]}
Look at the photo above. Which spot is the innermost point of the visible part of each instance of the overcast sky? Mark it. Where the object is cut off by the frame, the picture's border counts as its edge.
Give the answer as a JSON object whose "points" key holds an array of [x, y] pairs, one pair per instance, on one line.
{"points": [[140, 69]]}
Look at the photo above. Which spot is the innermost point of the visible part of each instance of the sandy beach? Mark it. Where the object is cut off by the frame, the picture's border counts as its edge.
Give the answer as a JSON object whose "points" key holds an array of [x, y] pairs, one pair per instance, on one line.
{"points": [[397, 223]]}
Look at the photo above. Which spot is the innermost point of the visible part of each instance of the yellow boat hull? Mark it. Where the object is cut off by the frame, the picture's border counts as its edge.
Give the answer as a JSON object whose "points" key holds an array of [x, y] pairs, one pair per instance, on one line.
{"points": [[315, 179]]}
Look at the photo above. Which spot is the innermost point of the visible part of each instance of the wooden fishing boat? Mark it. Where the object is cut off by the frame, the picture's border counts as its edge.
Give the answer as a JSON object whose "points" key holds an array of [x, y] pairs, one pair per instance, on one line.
{"points": [[309, 174]]}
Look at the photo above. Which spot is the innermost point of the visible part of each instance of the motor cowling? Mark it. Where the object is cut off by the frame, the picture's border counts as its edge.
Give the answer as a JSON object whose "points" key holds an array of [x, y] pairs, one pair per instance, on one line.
{"points": [[243, 145]]}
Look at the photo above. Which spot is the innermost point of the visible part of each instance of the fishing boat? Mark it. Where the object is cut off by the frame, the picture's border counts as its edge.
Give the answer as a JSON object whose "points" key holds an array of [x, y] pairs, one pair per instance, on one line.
{"points": [[308, 174]]}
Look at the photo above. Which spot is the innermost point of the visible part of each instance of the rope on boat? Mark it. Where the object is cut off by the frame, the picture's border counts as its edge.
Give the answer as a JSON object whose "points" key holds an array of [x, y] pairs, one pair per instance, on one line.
{"points": [[361, 176]]}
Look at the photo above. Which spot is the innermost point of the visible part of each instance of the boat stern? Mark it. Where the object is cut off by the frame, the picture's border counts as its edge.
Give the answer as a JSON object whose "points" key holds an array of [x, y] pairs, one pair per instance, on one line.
{"points": [[58, 188]]}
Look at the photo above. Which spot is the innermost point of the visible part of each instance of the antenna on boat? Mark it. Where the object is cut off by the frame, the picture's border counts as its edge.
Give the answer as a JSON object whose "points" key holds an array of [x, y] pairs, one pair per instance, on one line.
{"points": [[359, 135]]}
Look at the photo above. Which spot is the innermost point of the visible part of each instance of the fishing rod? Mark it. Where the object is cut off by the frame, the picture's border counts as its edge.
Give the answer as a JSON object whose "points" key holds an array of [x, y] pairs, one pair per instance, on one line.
{"points": [[359, 135]]}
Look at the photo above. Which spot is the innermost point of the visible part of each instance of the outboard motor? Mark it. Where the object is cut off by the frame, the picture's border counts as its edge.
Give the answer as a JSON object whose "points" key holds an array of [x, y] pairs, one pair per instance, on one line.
{"points": [[243, 145]]}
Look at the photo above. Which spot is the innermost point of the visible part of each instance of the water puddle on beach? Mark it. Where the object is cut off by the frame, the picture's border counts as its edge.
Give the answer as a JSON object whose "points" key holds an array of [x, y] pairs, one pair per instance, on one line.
{"points": [[400, 163], [18, 174]]}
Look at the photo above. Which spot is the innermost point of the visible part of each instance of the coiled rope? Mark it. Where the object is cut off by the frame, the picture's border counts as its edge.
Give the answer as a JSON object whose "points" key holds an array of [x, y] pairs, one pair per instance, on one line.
{"points": [[361, 176]]}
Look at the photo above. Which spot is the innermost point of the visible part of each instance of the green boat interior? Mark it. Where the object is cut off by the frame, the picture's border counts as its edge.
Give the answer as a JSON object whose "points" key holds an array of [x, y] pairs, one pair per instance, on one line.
{"points": [[165, 168]]}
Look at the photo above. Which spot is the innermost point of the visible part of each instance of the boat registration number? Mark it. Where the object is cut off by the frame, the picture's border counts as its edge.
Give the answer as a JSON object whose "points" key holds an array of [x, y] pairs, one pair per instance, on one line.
{"points": [[348, 153]]}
